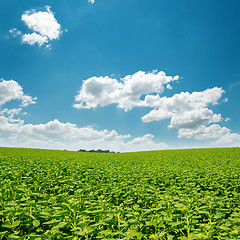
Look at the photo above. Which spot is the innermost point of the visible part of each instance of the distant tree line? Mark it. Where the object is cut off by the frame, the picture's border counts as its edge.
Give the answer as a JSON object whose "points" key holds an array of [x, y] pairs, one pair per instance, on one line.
{"points": [[96, 151]]}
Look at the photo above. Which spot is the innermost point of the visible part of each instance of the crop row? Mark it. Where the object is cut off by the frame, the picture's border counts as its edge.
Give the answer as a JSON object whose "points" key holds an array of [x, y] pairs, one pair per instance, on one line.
{"points": [[181, 194]]}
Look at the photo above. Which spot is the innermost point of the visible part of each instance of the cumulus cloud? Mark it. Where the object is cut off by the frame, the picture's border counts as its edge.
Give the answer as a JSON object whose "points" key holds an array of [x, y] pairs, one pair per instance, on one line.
{"points": [[43, 25], [53, 130], [194, 118], [11, 90], [189, 113], [126, 93], [58, 135], [10, 113], [157, 115], [169, 86], [34, 38], [185, 101], [15, 32], [146, 143], [229, 140], [55, 134], [91, 1], [203, 132]]}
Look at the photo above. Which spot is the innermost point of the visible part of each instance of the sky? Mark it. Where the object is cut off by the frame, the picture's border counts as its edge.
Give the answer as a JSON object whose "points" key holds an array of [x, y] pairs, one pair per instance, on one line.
{"points": [[120, 75]]}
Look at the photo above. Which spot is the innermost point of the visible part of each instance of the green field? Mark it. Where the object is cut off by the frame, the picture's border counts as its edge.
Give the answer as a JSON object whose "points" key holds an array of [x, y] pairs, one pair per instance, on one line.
{"points": [[178, 194]]}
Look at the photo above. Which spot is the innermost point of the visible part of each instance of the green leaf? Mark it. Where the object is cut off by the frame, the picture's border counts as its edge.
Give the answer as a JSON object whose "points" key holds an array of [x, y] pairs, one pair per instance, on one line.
{"points": [[45, 213], [133, 233], [62, 224], [12, 236], [36, 223], [177, 224], [16, 223], [7, 225], [53, 221], [3, 233]]}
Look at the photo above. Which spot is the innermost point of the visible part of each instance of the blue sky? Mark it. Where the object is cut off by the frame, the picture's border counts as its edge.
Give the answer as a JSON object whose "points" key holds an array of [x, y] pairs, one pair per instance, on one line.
{"points": [[119, 75]]}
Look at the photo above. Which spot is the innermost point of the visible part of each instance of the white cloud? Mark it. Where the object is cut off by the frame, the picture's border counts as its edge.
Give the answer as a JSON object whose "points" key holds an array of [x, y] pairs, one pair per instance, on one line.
{"points": [[157, 115], [15, 32], [185, 101], [91, 1], [43, 23], [203, 132], [188, 112], [10, 113], [169, 86], [126, 93], [34, 38], [229, 140], [194, 118], [53, 130], [55, 134], [113, 135], [44, 26], [144, 139], [11, 90], [146, 143], [184, 108]]}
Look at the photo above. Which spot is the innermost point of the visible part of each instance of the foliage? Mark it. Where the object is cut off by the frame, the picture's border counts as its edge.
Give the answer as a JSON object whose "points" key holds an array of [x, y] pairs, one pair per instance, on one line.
{"points": [[179, 194], [97, 151]]}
